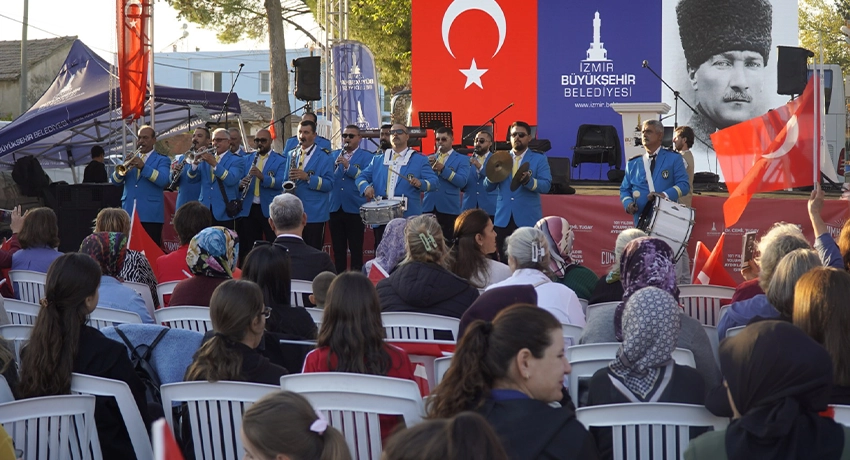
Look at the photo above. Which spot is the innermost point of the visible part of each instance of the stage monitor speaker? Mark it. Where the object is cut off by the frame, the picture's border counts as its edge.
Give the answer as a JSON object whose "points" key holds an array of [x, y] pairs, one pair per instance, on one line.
{"points": [[791, 69], [308, 75], [560, 169]]}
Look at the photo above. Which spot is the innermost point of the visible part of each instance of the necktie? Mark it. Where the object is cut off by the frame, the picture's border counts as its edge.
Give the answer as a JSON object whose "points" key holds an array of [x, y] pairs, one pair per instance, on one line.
{"points": [[517, 161], [260, 162], [652, 164]]}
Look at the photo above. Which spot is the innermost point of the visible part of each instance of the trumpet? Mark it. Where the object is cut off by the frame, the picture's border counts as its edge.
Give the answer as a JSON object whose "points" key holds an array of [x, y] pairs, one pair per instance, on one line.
{"points": [[122, 169]]}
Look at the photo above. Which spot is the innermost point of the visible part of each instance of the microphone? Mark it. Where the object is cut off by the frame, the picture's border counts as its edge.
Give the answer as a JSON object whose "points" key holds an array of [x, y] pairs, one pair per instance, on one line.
{"points": [[645, 64], [241, 64]]}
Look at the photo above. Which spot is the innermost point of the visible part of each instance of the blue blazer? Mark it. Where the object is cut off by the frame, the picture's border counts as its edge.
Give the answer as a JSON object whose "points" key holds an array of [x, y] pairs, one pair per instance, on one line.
{"points": [[523, 203], [145, 188], [314, 192], [475, 194], [376, 175], [230, 171], [345, 194], [453, 177], [670, 176], [292, 144], [271, 185], [186, 191]]}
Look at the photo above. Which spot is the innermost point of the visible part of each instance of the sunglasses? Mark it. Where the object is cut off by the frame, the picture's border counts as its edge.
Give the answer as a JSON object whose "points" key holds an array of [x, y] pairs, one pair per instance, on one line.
{"points": [[259, 243], [267, 312], [442, 139], [260, 140], [480, 140], [218, 139], [349, 136], [398, 131], [519, 135]]}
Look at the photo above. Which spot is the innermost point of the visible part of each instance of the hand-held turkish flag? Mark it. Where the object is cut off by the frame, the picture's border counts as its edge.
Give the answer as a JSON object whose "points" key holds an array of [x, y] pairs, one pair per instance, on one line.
{"points": [[701, 256], [139, 240], [713, 272], [164, 445], [133, 55], [771, 152]]}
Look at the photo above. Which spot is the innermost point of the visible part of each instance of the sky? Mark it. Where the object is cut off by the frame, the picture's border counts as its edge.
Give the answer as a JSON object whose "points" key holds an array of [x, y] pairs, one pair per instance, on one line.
{"points": [[95, 26]]}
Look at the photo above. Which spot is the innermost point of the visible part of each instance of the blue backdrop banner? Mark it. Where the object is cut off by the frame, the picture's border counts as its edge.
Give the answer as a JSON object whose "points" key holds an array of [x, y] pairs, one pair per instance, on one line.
{"points": [[357, 86]]}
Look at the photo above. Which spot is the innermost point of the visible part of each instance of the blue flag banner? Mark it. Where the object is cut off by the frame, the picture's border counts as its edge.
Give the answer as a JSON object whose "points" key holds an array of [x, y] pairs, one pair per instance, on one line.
{"points": [[357, 86]]}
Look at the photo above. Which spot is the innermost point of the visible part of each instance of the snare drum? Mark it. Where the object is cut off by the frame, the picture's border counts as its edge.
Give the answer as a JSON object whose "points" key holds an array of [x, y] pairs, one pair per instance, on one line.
{"points": [[671, 222], [381, 212]]}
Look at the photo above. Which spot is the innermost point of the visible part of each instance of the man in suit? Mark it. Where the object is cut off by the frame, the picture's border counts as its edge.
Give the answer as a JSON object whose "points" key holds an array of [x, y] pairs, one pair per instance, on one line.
{"points": [[666, 170], [264, 180], [475, 194], [186, 190], [292, 142], [313, 177], [346, 225], [95, 172], [219, 175], [145, 179], [452, 170], [411, 175], [521, 207]]}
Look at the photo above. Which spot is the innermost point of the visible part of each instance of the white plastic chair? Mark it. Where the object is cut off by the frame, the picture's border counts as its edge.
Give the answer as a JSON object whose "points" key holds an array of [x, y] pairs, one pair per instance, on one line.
{"points": [[5, 392], [145, 291], [99, 386], [299, 289], [105, 317], [842, 414], [17, 335], [53, 427], [316, 314], [21, 312], [590, 308], [183, 317], [711, 332], [441, 365], [214, 414], [584, 305], [571, 334], [702, 301], [412, 327], [352, 403], [733, 331], [651, 429], [164, 289], [28, 285]]}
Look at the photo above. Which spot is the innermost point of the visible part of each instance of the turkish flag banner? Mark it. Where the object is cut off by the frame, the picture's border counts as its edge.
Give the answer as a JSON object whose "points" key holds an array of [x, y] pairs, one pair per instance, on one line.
{"points": [[133, 55], [139, 240], [771, 152], [701, 256], [713, 271], [474, 59]]}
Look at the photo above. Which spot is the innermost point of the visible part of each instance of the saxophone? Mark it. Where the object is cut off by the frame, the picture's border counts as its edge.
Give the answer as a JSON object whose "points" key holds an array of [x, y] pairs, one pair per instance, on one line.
{"points": [[289, 185]]}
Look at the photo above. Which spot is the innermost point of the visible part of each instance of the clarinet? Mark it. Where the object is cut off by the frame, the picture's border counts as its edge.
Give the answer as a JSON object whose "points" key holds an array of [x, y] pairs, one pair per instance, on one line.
{"points": [[248, 185]]}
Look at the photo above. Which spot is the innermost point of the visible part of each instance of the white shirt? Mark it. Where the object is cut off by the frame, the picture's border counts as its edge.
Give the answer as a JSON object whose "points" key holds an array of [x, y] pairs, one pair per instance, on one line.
{"points": [[553, 297], [495, 272], [306, 155], [394, 160]]}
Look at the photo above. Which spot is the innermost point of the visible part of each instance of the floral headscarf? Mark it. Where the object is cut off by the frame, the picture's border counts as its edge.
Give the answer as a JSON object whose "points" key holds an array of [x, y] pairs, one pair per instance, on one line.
{"points": [[560, 236], [212, 252], [645, 262], [108, 249], [391, 250], [651, 325]]}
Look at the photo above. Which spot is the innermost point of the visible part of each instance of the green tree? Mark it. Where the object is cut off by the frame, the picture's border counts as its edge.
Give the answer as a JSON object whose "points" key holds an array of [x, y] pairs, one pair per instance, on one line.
{"points": [[820, 22]]}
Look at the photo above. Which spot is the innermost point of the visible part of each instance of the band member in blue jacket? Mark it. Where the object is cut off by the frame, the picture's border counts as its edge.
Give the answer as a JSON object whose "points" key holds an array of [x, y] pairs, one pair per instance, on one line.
{"points": [[223, 168], [346, 225], [292, 142], [398, 173], [145, 178], [452, 168], [475, 194], [311, 168], [521, 207], [186, 190], [668, 174]]}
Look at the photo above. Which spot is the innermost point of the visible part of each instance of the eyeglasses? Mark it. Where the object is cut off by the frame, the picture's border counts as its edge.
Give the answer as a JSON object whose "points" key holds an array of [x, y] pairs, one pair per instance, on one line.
{"points": [[480, 140], [260, 140], [349, 136], [519, 135], [221, 139], [398, 131], [267, 312], [442, 139], [259, 243]]}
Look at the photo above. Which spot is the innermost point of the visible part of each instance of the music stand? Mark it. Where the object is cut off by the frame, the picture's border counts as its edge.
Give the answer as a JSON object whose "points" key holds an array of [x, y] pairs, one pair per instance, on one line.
{"points": [[435, 120]]}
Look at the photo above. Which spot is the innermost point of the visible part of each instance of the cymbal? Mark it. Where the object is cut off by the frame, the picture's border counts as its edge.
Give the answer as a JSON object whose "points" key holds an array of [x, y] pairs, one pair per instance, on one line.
{"points": [[515, 181], [499, 167]]}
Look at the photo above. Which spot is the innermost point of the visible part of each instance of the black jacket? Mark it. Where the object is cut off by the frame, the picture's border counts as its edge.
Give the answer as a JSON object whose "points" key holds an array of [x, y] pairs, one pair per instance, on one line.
{"points": [[95, 173], [306, 261], [426, 288]]}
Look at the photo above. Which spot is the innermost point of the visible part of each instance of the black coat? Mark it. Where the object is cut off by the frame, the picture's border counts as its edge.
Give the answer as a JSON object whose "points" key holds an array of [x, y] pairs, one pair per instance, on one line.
{"points": [[306, 261], [95, 173], [426, 288]]}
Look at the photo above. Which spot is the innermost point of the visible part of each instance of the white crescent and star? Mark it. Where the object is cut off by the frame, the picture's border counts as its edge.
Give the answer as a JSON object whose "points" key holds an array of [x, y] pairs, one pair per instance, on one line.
{"points": [[792, 132], [491, 8]]}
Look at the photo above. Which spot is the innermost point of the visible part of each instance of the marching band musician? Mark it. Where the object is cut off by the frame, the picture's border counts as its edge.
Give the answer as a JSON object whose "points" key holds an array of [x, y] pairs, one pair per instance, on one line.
{"points": [[345, 224], [475, 194], [521, 207], [236, 142], [452, 169], [410, 176], [322, 142], [146, 177], [384, 139], [264, 180], [313, 177], [214, 171], [188, 191]]}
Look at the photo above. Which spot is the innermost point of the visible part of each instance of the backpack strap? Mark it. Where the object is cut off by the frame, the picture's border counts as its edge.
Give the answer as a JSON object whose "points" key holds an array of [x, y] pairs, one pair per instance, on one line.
{"points": [[127, 342], [155, 342]]}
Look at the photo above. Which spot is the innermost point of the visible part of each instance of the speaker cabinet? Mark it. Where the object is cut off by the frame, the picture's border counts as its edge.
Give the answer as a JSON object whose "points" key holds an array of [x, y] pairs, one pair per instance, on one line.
{"points": [[791, 77], [308, 75]]}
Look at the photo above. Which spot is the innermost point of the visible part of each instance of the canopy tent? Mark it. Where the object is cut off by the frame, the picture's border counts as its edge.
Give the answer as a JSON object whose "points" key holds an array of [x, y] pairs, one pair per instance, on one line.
{"points": [[82, 108]]}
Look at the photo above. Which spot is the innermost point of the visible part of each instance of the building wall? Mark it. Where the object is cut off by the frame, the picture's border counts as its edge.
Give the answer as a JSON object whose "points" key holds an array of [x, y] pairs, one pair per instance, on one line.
{"points": [[41, 75]]}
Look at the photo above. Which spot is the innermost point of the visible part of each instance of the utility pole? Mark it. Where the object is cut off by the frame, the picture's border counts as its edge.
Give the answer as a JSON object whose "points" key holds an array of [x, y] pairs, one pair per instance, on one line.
{"points": [[24, 68]]}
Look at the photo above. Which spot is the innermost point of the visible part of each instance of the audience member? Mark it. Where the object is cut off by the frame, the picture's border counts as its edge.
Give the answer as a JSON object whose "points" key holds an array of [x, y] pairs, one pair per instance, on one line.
{"points": [[649, 262], [109, 249], [188, 221], [778, 380], [283, 425], [528, 257], [609, 288], [136, 267], [560, 237], [781, 239], [421, 283], [62, 343], [321, 284], [8, 248], [492, 301], [474, 239], [510, 371], [844, 244], [8, 366], [820, 310], [39, 238], [466, 436], [211, 258], [389, 253], [238, 319]]}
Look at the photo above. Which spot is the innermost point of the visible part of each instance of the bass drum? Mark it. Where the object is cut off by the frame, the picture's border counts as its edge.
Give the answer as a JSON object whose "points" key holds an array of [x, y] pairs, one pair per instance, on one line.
{"points": [[669, 221]]}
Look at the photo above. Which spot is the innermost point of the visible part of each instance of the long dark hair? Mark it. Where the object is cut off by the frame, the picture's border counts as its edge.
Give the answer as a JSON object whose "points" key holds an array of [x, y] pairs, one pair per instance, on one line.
{"points": [[352, 328], [465, 436], [484, 356], [468, 260], [270, 267], [49, 359]]}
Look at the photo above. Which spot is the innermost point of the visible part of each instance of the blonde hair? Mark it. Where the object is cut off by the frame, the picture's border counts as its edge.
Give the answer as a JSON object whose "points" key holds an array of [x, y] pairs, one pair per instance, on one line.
{"points": [[112, 220], [424, 241]]}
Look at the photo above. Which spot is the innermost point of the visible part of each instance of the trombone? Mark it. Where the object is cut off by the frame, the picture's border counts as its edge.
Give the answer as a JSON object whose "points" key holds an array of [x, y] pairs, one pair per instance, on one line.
{"points": [[122, 169]]}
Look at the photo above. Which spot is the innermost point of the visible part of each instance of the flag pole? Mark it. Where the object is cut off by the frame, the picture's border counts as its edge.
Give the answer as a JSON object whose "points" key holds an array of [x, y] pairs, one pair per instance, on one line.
{"points": [[816, 127]]}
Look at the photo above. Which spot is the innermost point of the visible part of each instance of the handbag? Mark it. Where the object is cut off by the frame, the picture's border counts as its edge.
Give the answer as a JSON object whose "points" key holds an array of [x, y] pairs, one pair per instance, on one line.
{"points": [[231, 207]]}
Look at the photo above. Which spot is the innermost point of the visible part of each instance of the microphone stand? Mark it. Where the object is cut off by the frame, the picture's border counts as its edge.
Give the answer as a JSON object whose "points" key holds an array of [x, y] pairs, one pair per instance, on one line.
{"points": [[676, 96], [283, 118], [491, 121], [224, 110]]}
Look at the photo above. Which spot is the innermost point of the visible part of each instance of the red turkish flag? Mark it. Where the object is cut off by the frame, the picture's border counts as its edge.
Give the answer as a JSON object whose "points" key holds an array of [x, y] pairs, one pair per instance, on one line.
{"points": [[713, 272], [771, 152], [164, 445], [133, 55], [139, 240], [701, 256], [474, 59]]}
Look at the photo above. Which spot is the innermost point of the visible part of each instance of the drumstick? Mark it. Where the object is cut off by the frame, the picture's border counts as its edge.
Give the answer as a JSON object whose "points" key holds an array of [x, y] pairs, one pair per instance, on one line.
{"points": [[399, 175]]}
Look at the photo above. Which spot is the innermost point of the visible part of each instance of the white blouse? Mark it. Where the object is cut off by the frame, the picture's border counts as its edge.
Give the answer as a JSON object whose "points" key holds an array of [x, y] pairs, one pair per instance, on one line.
{"points": [[556, 298]]}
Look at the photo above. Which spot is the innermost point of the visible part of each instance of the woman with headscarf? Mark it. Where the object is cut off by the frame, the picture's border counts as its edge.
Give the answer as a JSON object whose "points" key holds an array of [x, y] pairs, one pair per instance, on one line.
{"points": [[609, 288], [109, 250], [649, 262], [778, 380], [388, 253], [560, 237], [643, 370], [211, 258]]}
